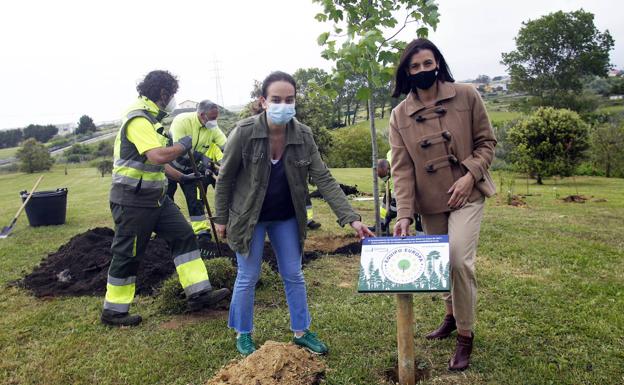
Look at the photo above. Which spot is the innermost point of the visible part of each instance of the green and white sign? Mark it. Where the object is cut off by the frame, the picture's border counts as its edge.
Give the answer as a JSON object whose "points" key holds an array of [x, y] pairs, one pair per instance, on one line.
{"points": [[407, 264]]}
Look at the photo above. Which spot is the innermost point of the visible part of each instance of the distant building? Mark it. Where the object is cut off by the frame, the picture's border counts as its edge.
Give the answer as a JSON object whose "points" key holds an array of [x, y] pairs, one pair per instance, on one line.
{"points": [[501, 81], [187, 104], [616, 97], [66, 128]]}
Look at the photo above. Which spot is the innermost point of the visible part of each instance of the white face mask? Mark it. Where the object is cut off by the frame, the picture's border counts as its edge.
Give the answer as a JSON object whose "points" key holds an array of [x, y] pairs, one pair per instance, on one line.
{"points": [[171, 105], [211, 123]]}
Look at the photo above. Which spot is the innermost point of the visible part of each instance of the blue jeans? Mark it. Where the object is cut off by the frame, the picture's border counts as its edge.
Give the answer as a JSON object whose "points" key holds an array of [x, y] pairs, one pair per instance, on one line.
{"points": [[284, 237]]}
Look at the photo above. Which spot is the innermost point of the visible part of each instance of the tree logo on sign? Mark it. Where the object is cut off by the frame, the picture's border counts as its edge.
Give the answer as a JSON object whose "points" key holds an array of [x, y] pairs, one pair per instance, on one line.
{"points": [[403, 265]]}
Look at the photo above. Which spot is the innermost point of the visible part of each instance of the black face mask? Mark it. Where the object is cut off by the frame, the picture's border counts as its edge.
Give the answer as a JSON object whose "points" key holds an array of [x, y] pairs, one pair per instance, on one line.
{"points": [[423, 80]]}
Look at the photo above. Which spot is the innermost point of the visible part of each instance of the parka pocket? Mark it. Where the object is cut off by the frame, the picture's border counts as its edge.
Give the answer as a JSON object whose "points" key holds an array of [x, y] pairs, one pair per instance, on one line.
{"points": [[301, 162]]}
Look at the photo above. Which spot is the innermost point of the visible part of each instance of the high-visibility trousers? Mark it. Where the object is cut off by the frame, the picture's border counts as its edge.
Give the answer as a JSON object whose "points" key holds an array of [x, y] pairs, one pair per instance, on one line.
{"points": [[199, 221], [309, 209], [133, 229]]}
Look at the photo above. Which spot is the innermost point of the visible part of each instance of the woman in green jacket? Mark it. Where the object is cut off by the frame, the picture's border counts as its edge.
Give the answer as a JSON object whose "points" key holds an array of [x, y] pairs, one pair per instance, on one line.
{"points": [[262, 189]]}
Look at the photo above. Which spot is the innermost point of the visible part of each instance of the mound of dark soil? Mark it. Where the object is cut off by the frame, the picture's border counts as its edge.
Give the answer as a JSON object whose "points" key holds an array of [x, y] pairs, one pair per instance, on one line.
{"points": [[575, 199], [348, 190], [80, 267], [209, 250], [352, 248], [516, 200]]}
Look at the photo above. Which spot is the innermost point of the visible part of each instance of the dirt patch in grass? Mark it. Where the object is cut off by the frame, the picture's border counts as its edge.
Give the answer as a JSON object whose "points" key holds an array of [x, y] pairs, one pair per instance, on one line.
{"points": [[353, 248], [333, 244], [273, 364], [575, 199], [422, 371], [178, 322], [209, 250], [80, 267], [516, 201], [348, 190]]}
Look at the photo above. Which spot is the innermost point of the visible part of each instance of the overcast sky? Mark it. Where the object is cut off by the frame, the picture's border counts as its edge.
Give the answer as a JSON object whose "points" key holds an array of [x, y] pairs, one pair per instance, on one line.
{"points": [[62, 59]]}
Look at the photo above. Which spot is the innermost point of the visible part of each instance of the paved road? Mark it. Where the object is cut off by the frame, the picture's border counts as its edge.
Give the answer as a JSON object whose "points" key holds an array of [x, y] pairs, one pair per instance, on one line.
{"points": [[61, 150], [88, 141]]}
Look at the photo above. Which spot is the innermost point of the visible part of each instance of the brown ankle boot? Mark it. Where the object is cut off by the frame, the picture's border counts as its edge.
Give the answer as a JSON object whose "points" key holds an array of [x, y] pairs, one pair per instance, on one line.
{"points": [[461, 359], [445, 330]]}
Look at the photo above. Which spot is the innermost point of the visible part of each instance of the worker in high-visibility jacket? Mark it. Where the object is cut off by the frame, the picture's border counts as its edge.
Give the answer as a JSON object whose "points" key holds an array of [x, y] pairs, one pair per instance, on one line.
{"points": [[140, 206], [208, 142]]}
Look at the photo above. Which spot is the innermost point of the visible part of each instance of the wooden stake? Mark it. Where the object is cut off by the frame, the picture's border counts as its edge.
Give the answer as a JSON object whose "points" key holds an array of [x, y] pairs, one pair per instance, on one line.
{"points": [[405, 339]]}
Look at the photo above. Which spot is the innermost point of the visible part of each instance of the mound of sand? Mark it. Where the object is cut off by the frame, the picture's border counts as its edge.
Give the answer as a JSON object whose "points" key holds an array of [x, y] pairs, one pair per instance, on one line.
{"points": [[273, 364]]}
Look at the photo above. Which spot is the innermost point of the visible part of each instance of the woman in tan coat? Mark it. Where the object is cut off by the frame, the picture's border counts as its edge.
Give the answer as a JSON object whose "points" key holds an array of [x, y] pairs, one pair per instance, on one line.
{"points": [[442, 145]]}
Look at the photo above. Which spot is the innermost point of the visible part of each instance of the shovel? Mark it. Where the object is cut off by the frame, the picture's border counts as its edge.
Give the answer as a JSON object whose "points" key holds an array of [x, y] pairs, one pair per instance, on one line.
{"points": [[7, 229], [202, 191]]}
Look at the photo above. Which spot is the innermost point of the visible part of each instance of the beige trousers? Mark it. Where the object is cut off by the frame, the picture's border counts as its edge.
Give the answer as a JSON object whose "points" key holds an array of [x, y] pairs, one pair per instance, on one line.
{"points": [[462, 227]]}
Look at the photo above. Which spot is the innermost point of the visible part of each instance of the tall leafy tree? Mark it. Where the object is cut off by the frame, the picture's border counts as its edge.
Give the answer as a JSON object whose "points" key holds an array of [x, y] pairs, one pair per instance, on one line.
{"points": [[362, 42], [313, 105], [607, 147], [85, 125], [555, 53], [33, 157], [483, 79], [549, 142]]}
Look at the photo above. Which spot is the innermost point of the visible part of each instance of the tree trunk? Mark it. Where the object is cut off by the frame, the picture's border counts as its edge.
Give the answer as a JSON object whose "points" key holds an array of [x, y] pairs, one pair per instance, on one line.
{"points": [[539, 179], [374, 160], [608, 170], [348, 115], [357, 105], [383, 109]]}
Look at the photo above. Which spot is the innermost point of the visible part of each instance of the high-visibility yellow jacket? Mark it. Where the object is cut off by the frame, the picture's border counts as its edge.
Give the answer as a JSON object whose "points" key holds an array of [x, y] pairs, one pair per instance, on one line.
{"points": [[207, 141], [136, 181]]}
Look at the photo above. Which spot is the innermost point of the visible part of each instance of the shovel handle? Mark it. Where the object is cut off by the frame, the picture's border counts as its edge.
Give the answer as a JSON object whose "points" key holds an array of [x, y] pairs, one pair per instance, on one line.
{"points": [[28, 198]]}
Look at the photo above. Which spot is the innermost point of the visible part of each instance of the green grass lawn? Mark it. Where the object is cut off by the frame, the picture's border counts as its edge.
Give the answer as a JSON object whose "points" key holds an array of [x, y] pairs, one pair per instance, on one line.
{"points": [[502, 116], [550, 310], [495, 117], [612, 109], [8, 152]]}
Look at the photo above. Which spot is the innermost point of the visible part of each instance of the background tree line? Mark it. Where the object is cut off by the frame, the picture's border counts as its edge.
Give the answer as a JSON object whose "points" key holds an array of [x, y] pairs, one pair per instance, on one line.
{"points": [[42, 133]]}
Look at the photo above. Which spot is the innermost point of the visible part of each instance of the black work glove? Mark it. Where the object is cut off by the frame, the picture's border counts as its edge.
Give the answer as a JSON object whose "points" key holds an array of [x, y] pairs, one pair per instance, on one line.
{"points": [[209, 179], [206, 161], [189, 178], [187, 142]]}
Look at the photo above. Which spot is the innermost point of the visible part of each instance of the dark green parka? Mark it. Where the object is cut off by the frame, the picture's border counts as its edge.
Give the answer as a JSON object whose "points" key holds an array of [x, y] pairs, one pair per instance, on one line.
{"points": [[244, 178]]}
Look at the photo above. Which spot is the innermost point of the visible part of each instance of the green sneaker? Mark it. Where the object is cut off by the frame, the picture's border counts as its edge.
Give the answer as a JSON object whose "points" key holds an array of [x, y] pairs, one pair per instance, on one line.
{"points": [[245, 344], [311, 342]]}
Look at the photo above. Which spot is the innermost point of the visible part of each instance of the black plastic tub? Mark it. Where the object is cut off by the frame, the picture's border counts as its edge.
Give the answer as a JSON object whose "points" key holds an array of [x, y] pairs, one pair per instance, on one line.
{"points": [[46, 207]]}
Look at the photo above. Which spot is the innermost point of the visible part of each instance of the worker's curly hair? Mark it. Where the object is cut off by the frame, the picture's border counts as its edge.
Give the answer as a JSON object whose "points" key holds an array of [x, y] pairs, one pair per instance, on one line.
{"points": [[155, 81]]}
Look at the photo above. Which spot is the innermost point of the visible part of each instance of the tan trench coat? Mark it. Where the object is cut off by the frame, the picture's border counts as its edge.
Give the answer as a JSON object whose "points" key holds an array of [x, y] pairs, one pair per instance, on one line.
{"points": [[434, 146]]}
